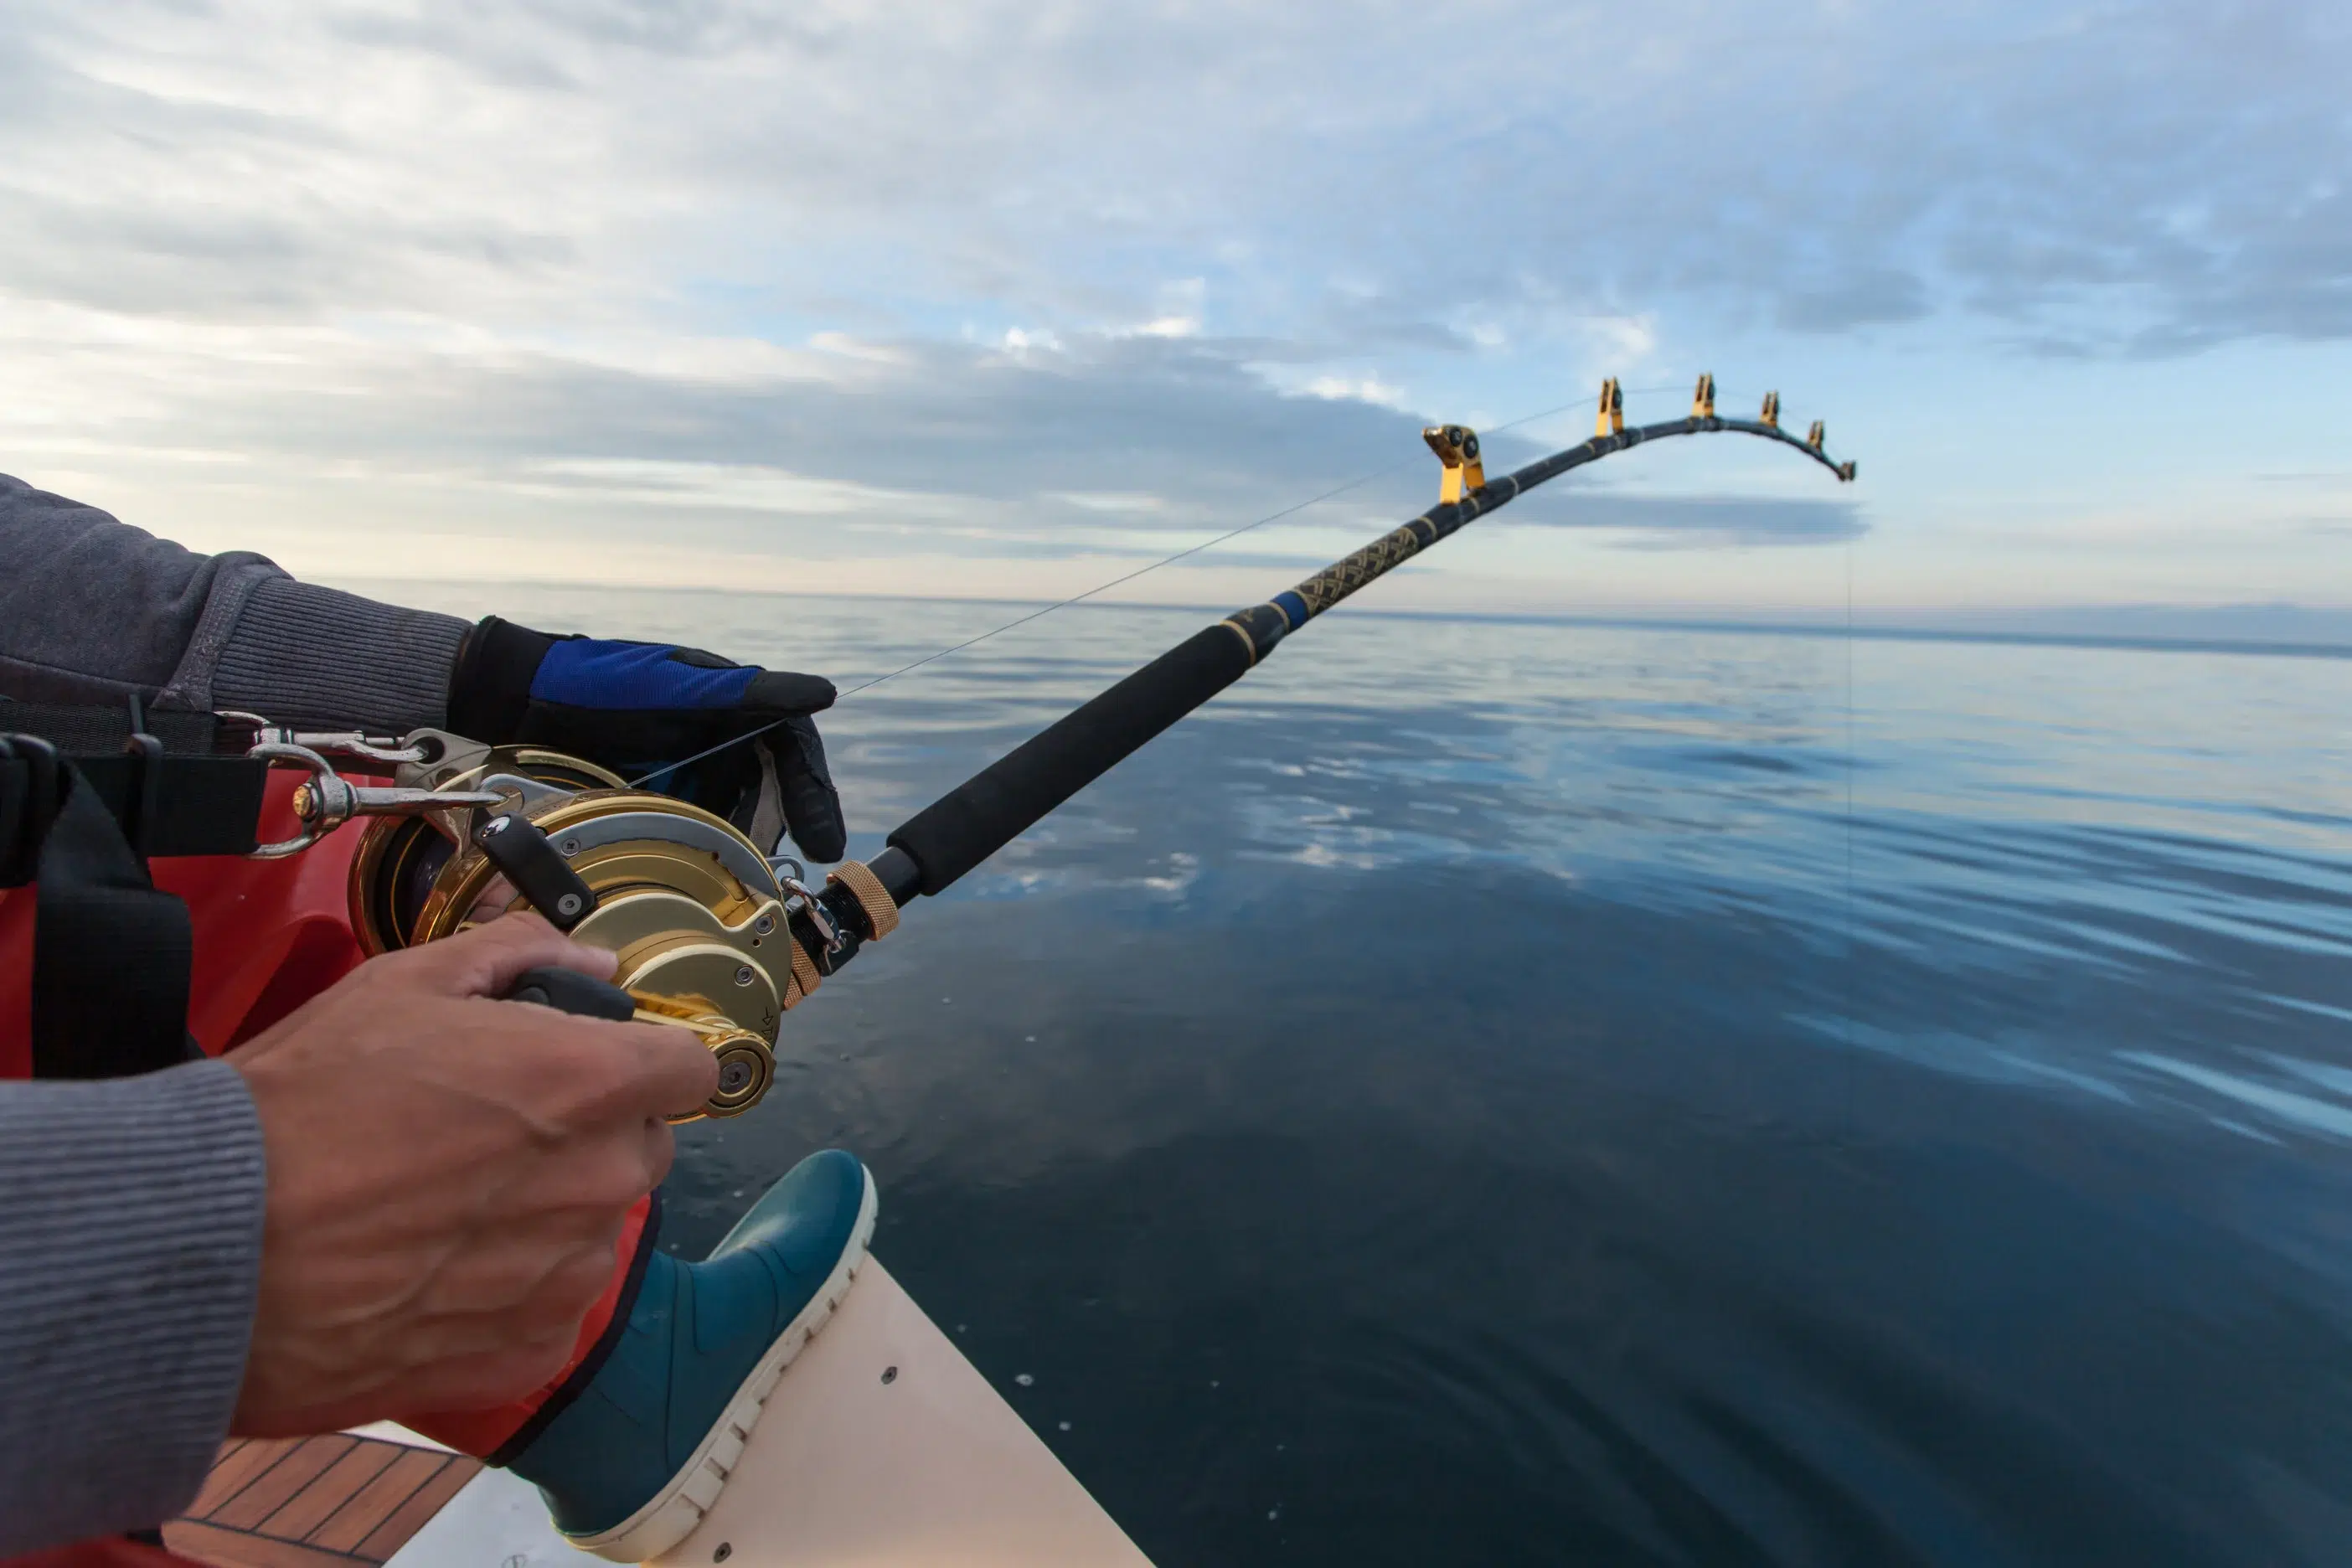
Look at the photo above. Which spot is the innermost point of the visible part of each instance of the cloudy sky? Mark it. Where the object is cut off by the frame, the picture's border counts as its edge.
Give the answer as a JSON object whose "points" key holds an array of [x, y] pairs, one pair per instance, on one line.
{"points": [[1004, 299]]}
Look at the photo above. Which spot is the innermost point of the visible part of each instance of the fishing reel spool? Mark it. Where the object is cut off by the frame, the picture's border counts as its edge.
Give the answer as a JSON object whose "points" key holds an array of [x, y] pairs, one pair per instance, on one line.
{"points": [[698, 917]]}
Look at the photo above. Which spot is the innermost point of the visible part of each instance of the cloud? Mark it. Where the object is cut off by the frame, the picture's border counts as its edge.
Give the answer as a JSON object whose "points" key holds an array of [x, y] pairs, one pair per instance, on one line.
{"points": [[1100, 454], [1151, 437], [1688, 522], [1361, 389], [2154, 175], [1139, 436], [973, 277]]}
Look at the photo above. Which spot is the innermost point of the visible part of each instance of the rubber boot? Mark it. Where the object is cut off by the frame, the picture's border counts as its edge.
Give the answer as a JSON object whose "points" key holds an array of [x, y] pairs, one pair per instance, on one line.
{"points": [[633, 1463]]}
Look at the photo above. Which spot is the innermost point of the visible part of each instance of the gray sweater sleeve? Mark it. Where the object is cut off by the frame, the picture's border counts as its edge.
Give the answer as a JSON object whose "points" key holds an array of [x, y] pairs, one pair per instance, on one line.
{"points": [[93, 610], [130, 1215], [131, 1210]]}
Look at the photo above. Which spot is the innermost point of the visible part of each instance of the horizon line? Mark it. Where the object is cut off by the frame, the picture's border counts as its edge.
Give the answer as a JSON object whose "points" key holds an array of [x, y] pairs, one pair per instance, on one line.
{"points": [[1756, 623]]}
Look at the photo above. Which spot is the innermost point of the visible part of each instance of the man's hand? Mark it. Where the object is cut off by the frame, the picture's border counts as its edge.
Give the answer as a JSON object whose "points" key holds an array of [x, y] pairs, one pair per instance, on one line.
{"points": [[635, 707], [448, 1177]]}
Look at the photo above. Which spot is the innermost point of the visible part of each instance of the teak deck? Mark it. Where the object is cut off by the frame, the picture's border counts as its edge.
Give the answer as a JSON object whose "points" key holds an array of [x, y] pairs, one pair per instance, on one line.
{"points": [[313, 1502]]}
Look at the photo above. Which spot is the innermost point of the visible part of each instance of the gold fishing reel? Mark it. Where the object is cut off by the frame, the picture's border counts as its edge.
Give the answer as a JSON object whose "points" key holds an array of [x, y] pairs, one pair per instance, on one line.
{"points": [[698, 917]]}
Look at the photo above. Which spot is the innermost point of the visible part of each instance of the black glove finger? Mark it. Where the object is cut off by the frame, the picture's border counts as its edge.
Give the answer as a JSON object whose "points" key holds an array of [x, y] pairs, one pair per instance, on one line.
{"points": [[788, 692], [637, 738], [811, 806]]}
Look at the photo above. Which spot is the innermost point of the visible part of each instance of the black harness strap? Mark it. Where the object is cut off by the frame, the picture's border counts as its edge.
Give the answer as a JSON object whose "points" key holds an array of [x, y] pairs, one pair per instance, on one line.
{"points": [[180, 782], [110, 952], [86, 796]]}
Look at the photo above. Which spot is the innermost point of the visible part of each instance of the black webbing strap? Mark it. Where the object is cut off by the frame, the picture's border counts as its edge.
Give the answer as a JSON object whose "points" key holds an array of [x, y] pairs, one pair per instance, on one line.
{"points": [[86, 730], [193, 792], [110, 952], [28, 793], [86, 796]]}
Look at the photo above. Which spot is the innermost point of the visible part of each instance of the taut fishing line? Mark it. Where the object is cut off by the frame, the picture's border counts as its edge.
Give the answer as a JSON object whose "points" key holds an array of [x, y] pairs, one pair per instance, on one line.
{"points": [[1332, 494]]}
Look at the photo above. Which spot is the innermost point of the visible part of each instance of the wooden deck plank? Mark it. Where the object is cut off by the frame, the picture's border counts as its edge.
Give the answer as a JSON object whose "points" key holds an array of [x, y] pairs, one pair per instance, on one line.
{"points": [[236, 1465], [275, 1486], [372, 1504], [309, 1509], [423, 1504], [203, 1543]]}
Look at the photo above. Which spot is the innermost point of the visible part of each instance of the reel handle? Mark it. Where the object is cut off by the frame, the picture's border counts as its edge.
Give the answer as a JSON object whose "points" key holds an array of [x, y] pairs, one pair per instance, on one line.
{"points": [[568, 991], [746, 1066]]}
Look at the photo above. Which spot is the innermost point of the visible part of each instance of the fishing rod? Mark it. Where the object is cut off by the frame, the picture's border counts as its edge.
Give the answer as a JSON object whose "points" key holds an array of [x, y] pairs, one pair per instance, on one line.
{"points": [[713, 934], [931, 850]]}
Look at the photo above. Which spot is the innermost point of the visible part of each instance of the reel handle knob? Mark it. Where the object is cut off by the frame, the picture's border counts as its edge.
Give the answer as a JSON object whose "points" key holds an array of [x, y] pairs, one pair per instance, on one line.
{"points": [[568, 991]]}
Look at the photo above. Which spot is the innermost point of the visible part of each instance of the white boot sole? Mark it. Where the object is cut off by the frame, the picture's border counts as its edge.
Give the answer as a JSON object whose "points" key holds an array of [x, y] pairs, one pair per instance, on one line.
{"points": [[679, 1507]]}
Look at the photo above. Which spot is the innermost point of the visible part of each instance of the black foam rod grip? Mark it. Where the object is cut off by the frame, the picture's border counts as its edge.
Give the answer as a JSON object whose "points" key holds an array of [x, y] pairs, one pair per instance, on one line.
{"points": [[519, 849], [568, 991], [996, 805]]}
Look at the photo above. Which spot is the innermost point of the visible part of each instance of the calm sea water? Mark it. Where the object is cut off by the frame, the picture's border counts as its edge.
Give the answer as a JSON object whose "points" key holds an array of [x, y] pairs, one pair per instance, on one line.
{"points": [[1521, 1094]]}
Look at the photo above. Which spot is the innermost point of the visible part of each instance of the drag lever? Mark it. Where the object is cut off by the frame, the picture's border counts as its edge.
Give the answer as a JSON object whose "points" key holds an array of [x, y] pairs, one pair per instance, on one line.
{"points": [[516, 847]]}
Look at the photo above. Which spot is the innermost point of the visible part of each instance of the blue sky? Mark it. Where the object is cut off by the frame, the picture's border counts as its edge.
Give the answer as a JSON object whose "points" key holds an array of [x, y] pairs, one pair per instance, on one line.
{"points": [[1003, 299]]}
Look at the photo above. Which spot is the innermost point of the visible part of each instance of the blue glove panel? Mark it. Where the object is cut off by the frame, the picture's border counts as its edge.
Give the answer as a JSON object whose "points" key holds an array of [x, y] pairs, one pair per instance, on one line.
{"points": [[584, 672]]}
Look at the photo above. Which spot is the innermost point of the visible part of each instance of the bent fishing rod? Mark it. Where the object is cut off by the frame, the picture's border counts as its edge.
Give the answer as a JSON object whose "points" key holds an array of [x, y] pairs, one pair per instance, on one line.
{"points": [[710, 932], [938, 846]]}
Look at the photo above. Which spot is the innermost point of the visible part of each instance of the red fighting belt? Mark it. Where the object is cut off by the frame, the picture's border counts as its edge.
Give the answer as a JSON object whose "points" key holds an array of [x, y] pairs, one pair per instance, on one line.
{"points": [[268, 936]]}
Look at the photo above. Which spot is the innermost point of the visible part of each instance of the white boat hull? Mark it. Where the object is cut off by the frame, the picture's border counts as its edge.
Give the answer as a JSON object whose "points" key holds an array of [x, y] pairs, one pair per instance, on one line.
{"points": [[881, 1444]]}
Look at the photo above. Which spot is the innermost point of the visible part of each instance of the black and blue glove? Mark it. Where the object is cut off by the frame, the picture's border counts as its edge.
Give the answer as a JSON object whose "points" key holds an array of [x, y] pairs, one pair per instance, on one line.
{"points": [[644, 708]]}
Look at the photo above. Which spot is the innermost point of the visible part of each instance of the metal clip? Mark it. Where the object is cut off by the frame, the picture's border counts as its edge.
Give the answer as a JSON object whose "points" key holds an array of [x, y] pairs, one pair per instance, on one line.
{"points": [[1703, 399], [443, 756], [351, 743], [1771, 414], [326, 800], [1611, 420], [1817, 434], [1457, 446], [819, 919]]}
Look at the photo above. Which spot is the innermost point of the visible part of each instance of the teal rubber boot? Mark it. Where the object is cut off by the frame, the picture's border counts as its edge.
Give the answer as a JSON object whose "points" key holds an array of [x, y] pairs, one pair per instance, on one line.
{"points": [[632, 1464]]}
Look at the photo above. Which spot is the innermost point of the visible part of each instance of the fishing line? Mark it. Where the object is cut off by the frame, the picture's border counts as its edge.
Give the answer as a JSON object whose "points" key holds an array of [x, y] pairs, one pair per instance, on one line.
{"points": [[1354, 484], [1851, 1021], [1130, 577]]}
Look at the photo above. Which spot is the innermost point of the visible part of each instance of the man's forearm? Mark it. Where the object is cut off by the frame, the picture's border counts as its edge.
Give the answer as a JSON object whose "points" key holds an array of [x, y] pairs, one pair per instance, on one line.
{"points": [[93, 610], [128, 1270], [301, 654]]}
